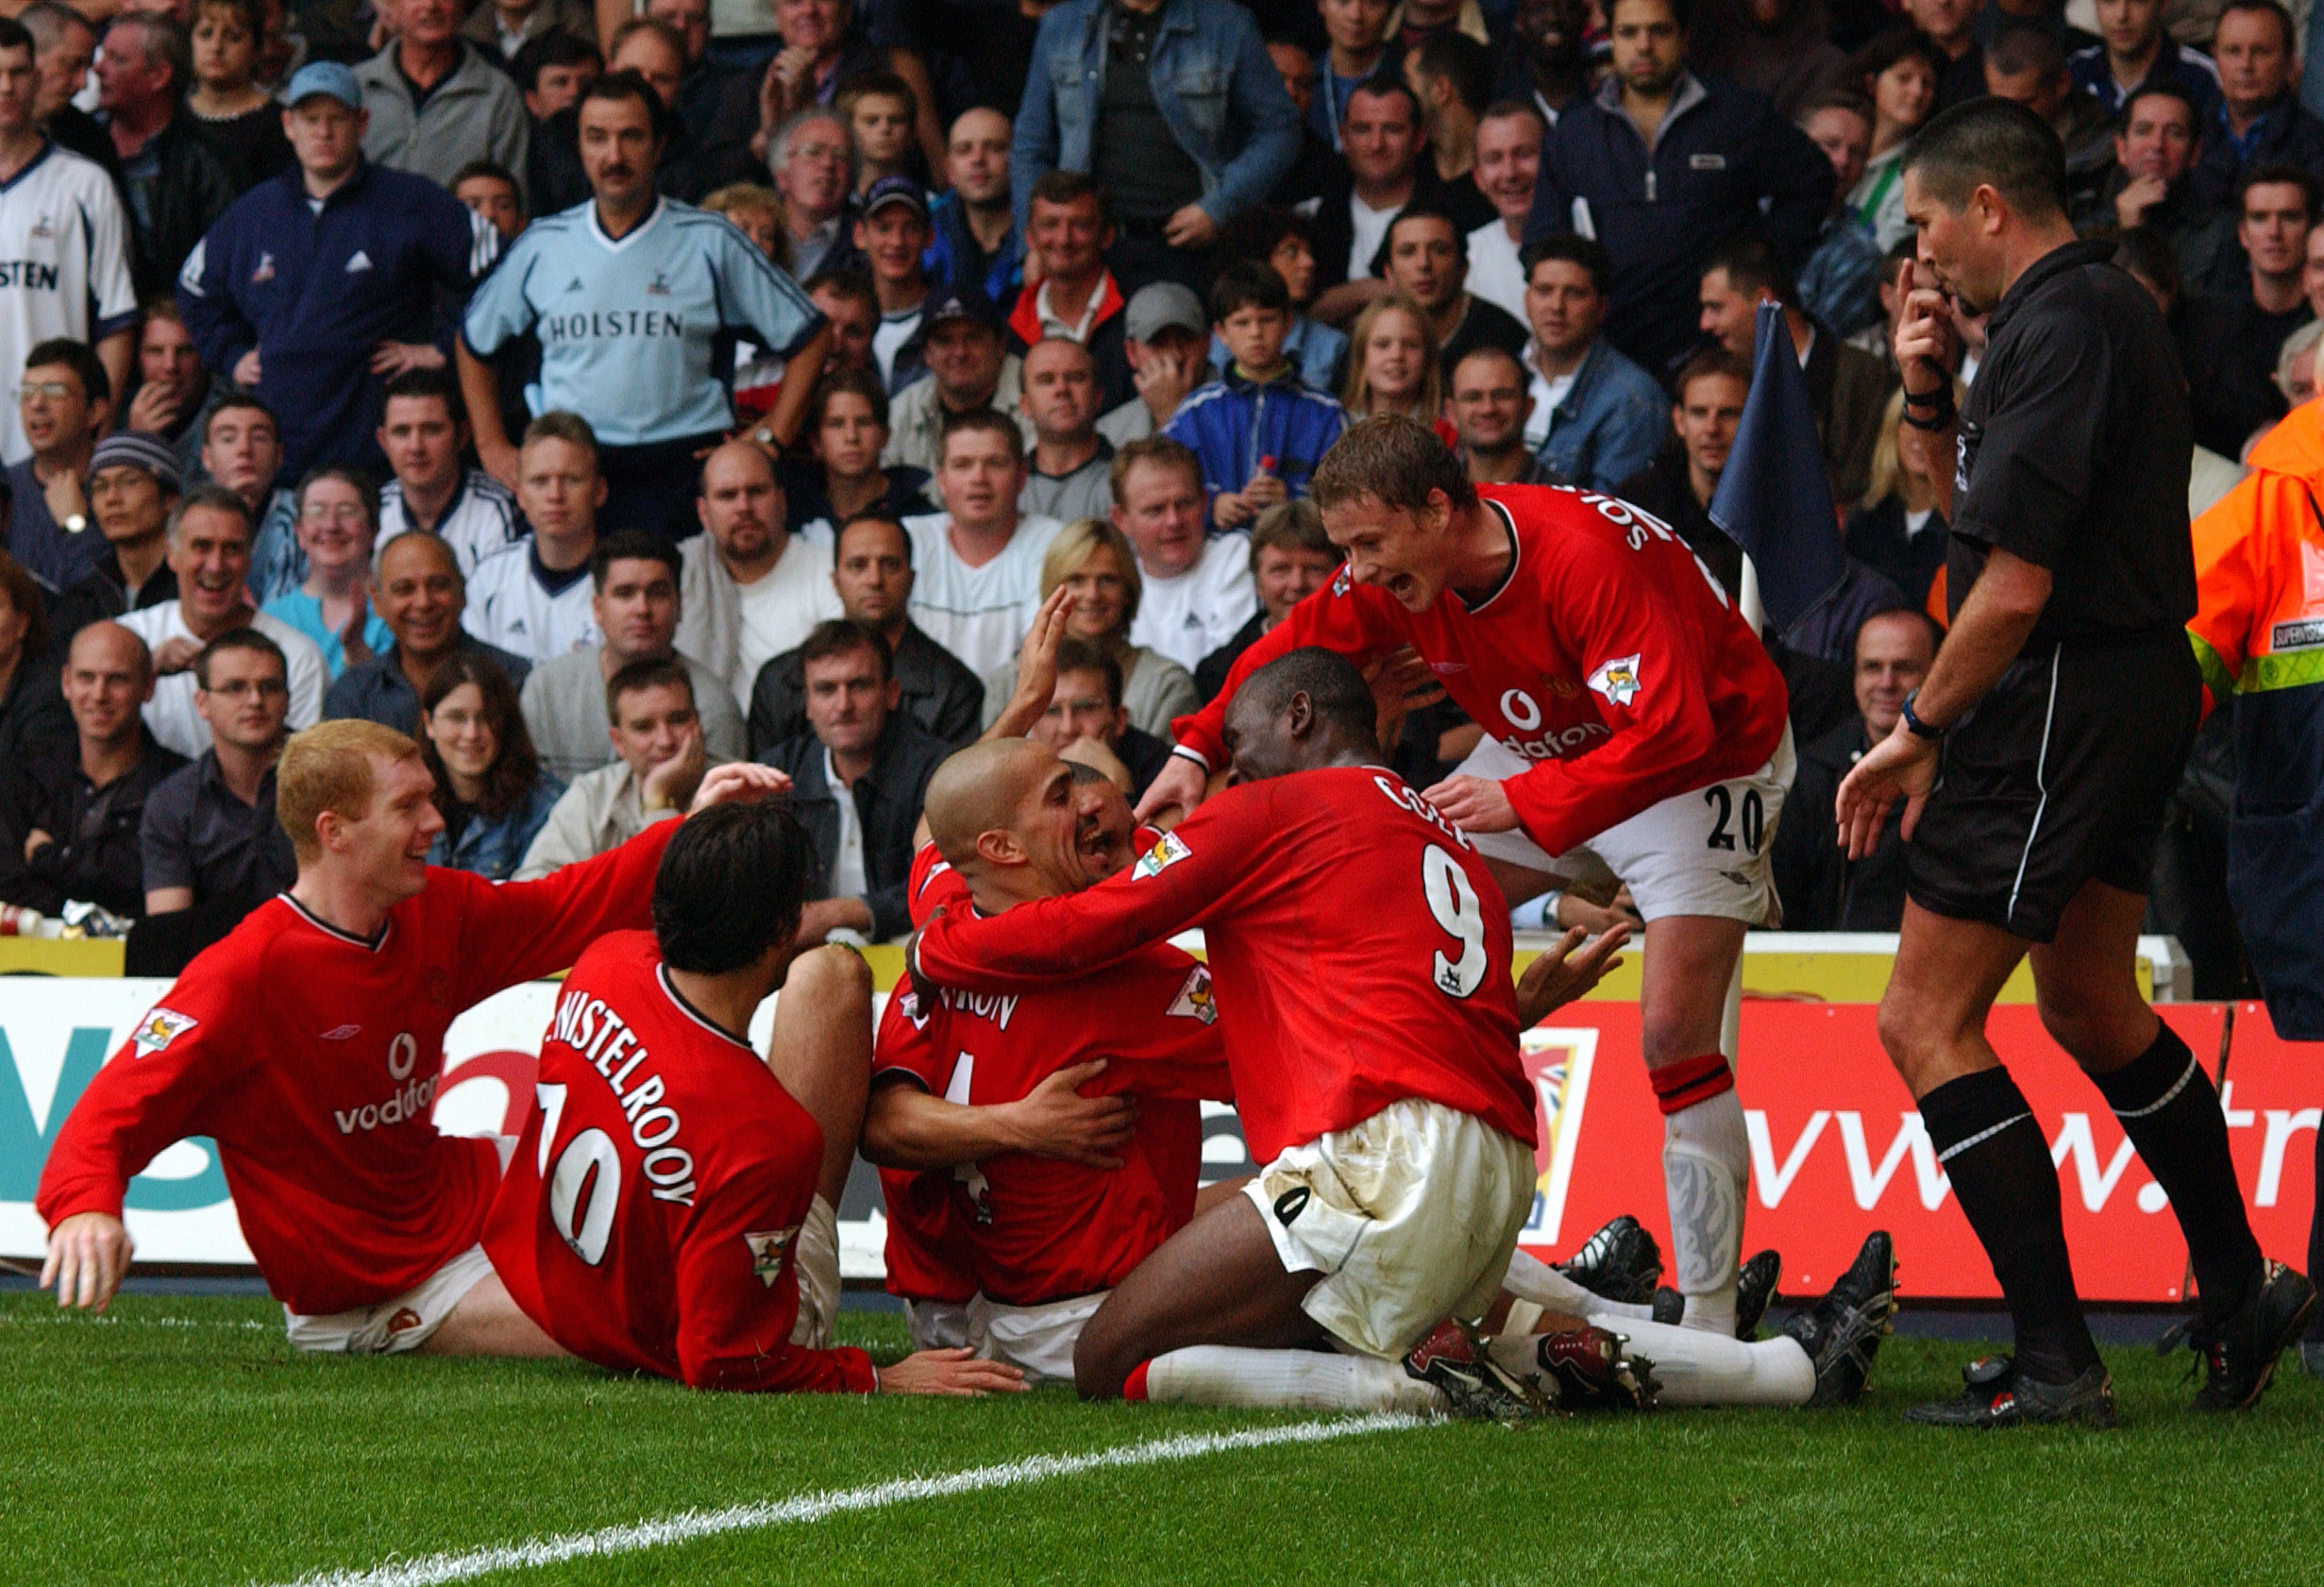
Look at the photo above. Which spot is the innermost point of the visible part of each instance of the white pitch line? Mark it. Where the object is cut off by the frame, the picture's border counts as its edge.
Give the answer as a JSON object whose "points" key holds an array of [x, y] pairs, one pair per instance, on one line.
{"points": [[439, 1568]]}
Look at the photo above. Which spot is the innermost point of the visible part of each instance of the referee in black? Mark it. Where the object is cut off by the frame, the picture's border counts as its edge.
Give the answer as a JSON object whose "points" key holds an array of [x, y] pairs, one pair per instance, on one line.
{"points": [[2036, 756]]}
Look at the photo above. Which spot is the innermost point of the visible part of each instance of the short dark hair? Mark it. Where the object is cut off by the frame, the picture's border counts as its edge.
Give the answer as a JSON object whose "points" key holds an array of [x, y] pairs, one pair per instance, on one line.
{"points": [[885, 520], [649, 672], [242, 400], [354, 478], [442, 384], [2152, 88], [2275, 173], [14, 35], [733, 883], [555, 47], [1682, 13], [237, 639], [1848, 99], [1991, 143], [840, 636], [1709, 361], [1160, 452], [632, 544], [2283, 17], [1384, 87], [77, 357], [1394, 460], [490, 169], [1455, 57], [517, 766], [1331, 683], [839, 382], [1896, 45], [1080, 655], [630, 84], [2022, 48], [988, 419], [1067, 187], [1488, 350], [22, 591], [1750, 266], [1424, 209], [851, 285], [1574, 248], [1247, 284], [874, 82], [2147, 254], [1259, 231], [1291, 526]]}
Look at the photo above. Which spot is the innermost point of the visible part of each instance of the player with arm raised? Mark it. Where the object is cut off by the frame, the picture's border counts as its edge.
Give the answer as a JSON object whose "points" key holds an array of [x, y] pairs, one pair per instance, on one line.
{"points": [[309, 1044], [669, 1207], [1633, 723]]}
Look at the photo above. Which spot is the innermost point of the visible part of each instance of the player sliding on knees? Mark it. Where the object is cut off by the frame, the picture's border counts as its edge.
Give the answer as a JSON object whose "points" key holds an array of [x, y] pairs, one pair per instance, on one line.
{"points": [[669, 1207], [1361, 955], [310, 1044], [1633, 725]]}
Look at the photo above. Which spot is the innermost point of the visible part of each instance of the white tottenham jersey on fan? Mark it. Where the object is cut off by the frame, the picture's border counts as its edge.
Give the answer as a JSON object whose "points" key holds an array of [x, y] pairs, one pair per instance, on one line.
{"points": [[510, 605], [65, 266], [482, 520], [1190, 614], [979, 613]]}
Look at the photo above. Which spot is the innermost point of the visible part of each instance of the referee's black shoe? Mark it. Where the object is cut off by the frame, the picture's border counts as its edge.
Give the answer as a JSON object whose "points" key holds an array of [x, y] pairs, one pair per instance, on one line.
{"points": [[1996, 1396], [1842, 1333], [1620, 1262], [2240, 1354]]}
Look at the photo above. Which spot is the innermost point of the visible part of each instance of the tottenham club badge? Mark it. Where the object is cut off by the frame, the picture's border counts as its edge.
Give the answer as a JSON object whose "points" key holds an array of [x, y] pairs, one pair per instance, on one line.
{"points": [[768, 1249], [1617, 680], [1164, 854], [162, 1027]]}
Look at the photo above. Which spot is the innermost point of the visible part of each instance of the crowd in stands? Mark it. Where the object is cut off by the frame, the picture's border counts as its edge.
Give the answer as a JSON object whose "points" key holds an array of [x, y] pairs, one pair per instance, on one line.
{"points": [[601, 396]]}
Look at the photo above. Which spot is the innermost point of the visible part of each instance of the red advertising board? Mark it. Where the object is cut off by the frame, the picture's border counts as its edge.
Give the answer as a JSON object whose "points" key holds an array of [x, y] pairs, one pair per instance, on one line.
{"points": [[2274, 1099]]}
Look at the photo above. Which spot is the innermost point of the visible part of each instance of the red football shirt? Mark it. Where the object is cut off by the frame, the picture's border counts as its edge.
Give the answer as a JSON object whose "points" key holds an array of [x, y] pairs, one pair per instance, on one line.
{"points": [[1360, 950], [1609, 657], [647, 1218], [312, 1058]]}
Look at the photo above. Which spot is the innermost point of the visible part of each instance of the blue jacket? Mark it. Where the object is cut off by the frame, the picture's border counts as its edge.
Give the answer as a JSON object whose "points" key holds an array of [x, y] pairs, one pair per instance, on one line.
{"points": [[1213, 82], [494, 846], [955, 260], [1722, 164], [1232, 426], [1610, 424], [315, 294]]}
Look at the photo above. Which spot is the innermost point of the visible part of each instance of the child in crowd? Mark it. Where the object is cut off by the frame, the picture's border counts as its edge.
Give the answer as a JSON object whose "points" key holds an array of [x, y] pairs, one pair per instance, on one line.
{"points": [[881, 112], [1260, 431], [1393, 365]]}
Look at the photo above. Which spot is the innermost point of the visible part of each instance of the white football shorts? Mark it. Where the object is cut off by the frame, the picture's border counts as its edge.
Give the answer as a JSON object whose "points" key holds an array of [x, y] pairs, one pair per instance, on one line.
{"points": [[399, 1324], [1039, 1340], [937, 1325], [816, 1258]]}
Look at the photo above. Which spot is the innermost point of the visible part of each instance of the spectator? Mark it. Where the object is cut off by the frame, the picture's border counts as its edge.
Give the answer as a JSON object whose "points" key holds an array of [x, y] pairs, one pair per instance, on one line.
{"points": [[749, 588], [1840, 285], [337, 525], [1898, 529], [977, 564], [238, 116], [1304, 181], [1087, 709], [1508, 158], [1550, 65], [1451, 75], [210, 839], [133, 486], [241, 450], [33, 720], [1393, 364], [1176, 166], [2232, 336], [1284, 240], [173, 391], [683, 170], [62, 406], [2027, 63], [533, 598], [1780, 48], [1847, 387], [2258, 120], [70, 816], [422, 594], [706, 81], [2133, 53], [657, 740], [635, 606], [1192, 592], [552, 70], [424, 432], [1488, 403], [881, 111], [1428, 261], [969, 371], [651, 399], [846, 435], [1665, 167], [178, 183], [1357, 31], [814, 166], [1382, 140], [978, 247], [1094, 561], [892, 233], [1164, 333], [251, 291], [1900, 72], [490, 190], [2153, 185], [1071, 467], [1291, 558], [64, 47], [852, 305], [1677, 486], [2296, 364], [434, 104], [873, 576], [208, 534], [59, 209], [1077, 299], [1258, 433], [821, 50], [757, 213], [502, 31], [857, 781], [1822, 889], [1952, 26], [490, 788], [1596, 417]]}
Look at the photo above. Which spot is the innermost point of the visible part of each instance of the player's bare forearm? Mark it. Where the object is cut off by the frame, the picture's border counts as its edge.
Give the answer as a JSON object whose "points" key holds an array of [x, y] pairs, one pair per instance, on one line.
{"points": [[799, 376], [2001, 609]]}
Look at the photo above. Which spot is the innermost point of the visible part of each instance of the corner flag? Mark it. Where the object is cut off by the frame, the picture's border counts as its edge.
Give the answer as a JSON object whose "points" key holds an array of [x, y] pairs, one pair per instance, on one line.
{"points": [[1774, 498]]}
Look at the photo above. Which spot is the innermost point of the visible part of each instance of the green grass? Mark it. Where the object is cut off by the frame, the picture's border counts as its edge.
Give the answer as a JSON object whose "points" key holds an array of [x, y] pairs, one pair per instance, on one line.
{"points": [[183, 1441]]}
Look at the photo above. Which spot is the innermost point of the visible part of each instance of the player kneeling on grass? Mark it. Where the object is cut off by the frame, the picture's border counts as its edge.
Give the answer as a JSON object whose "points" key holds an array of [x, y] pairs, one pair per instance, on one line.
{"points": [[669, 1206], [310, 1044]]}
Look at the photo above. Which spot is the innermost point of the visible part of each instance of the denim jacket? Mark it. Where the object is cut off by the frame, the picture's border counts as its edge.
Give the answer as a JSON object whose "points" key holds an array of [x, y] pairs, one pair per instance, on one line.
{"points": [[492, 846], [1213, 82], [1610, 424]]}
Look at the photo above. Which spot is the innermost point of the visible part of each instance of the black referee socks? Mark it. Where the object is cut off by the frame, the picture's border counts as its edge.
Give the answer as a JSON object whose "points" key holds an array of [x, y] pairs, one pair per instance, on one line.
{"points": [[1994, 1153], [2167, 1107]]}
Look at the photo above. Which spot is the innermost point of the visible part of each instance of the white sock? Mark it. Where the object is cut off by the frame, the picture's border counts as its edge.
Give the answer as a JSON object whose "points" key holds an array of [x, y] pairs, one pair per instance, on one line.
{"points": [[1533, 1279], [1697, 1367], [1306, 1379], [1707, 1174]]}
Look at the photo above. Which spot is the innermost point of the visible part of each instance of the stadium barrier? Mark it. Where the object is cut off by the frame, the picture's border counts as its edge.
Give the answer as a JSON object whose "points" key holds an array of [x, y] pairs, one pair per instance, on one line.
{"points": [[1837, 1147]]}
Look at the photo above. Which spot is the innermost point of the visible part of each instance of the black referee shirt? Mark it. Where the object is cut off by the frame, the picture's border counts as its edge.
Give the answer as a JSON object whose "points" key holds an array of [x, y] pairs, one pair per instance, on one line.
{"points": [[2073, 451]]}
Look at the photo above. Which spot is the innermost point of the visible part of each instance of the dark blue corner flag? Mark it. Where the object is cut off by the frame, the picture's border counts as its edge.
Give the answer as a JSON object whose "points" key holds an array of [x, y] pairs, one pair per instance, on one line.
{"points": [[1774, 498]]}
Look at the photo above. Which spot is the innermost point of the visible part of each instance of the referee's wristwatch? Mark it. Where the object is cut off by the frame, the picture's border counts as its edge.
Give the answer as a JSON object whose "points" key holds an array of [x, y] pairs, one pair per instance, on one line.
{"points": [[1913, 724]]}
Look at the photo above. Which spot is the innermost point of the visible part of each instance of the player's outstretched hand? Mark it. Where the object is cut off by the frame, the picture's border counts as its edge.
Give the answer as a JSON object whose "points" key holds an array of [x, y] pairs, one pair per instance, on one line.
{"points": [[1054, 1119], [1561, 975], [88, 1256], [737, 781], [1474, 803], [1181, 782], [1902, 765], [950, 1371], [1037, 669]]}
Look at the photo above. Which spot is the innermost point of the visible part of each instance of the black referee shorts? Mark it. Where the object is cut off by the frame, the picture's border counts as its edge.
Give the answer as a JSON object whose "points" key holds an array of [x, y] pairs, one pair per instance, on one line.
{"points": [[2057, 778]]}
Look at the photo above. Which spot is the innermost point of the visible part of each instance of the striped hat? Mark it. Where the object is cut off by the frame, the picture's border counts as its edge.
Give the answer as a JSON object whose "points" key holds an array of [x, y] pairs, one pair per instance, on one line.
{"points": [[139, 450]]}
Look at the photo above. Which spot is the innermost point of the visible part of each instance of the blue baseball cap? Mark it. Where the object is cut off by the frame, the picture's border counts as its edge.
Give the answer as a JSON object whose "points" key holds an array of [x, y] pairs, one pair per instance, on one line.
{"points": [[895, 190], [324, 76]]}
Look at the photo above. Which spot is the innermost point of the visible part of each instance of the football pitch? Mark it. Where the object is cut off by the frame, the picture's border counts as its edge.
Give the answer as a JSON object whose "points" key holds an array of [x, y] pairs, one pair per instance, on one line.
{"points": [[183, 1439]]}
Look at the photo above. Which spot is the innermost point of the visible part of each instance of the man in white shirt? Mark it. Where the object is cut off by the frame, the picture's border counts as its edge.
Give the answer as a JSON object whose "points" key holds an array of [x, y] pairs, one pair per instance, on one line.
{"points": [[1508, 158], [210, 535], [424, 429], [1198, 592], [749, 589], [533, 598], [978, 563]]}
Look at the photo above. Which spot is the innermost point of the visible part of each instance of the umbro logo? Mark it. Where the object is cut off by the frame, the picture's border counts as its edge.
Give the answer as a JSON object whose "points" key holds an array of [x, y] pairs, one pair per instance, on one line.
{"points": [[341, 1033], [361, 263]]}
